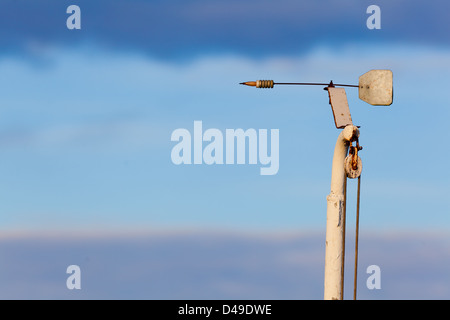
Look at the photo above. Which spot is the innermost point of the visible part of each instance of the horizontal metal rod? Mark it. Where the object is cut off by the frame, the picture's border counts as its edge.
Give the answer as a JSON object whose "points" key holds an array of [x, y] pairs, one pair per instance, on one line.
{"points": [[271, 83], [315, 84]]}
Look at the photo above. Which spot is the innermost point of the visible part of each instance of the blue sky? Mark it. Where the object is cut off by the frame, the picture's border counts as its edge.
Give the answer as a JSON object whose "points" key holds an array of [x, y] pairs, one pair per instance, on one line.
{"points": [[216, 265], [87, 115], [83, 145]]}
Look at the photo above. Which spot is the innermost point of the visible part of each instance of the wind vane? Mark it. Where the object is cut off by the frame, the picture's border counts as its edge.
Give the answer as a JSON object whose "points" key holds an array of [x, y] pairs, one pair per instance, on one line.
{"points": [[376, 88]]}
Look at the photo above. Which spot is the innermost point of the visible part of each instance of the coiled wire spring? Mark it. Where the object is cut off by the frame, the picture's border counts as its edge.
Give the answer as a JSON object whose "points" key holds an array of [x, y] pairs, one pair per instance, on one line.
{"points": [[264, 83]]}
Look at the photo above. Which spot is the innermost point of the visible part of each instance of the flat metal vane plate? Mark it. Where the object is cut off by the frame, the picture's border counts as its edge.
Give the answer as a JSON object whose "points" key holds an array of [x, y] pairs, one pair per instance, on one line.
{"points": [[339, 105], [376, 87]]}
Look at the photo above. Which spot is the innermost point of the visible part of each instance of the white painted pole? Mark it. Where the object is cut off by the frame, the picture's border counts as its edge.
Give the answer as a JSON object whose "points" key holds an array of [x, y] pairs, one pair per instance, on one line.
{"points": [[335, 209]]}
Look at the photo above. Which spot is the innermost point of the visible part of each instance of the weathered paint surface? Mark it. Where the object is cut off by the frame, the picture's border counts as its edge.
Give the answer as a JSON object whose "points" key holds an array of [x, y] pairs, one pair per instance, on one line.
{"points": [[339, 105], [376, 87], [335, 210]]}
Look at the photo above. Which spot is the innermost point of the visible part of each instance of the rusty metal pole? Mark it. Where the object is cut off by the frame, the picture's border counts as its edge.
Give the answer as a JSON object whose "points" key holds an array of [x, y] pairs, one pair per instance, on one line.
{"points": [[334, 245]]}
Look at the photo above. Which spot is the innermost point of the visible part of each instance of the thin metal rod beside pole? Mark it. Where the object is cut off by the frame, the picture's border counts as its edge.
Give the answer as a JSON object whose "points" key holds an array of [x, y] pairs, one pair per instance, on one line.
{"points": [[356, 239], [344, 218]]}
